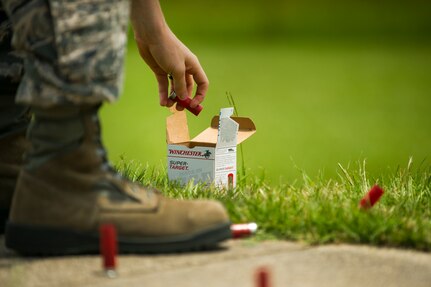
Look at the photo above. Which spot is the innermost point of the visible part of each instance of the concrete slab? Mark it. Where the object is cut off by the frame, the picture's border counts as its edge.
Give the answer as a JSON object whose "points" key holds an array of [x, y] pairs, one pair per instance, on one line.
{"points": [[235, 264]]}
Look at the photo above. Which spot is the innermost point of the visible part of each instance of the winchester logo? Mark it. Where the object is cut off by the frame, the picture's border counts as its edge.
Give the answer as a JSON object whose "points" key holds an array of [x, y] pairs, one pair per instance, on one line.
{"points": [[190, 153], [185, 152]]}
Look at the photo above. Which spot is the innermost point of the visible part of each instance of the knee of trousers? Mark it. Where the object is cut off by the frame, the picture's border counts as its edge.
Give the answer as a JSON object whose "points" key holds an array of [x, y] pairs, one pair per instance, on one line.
{"points": [[73, 50]]}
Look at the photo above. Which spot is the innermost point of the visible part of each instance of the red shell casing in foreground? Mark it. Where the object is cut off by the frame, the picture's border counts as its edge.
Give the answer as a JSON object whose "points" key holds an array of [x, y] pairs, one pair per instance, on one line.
{"points": [[243, 230], [371, 197], [262, 277], [108, 245]]}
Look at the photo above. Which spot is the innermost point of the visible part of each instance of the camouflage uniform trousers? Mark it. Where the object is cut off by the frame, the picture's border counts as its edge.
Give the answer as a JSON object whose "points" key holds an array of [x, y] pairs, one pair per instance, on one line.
{"points": [[72, 50], [12, 117]]}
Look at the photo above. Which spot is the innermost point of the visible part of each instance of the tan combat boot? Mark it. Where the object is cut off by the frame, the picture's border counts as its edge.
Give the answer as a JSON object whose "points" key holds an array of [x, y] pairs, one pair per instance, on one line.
{"points": [[67, 190]]}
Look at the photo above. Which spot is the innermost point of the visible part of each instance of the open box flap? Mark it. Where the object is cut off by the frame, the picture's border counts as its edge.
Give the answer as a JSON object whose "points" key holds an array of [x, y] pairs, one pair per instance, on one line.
{"points": [[227, 129], [177, 130], [246, 129], [208, 136]]}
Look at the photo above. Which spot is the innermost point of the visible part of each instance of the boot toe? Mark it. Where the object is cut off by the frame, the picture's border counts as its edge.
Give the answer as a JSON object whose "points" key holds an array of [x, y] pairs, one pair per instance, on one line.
{"points": [[207, 213]]}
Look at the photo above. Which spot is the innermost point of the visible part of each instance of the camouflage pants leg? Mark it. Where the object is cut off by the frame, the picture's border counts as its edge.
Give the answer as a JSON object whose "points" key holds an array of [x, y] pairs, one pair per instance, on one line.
{"points": [[10, 63], [13, 118], [73, 49]]}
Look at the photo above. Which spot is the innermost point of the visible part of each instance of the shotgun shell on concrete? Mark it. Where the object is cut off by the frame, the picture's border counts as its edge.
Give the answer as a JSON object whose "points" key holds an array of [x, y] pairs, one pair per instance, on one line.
{"points": [[243, 230], [108, 249], [262, 277]]}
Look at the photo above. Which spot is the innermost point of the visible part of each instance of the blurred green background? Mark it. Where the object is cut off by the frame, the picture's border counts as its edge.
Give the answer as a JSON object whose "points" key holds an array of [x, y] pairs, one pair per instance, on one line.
{"points": [[325, 82]]}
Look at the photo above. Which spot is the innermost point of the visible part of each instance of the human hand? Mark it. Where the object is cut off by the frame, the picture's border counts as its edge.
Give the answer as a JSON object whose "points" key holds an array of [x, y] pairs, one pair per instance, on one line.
{"points": [[166, 55], [169, 56]]}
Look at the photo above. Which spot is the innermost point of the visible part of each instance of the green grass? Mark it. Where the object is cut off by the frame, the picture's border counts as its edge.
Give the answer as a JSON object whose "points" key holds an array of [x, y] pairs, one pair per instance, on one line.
{"points": [[319, 211]]}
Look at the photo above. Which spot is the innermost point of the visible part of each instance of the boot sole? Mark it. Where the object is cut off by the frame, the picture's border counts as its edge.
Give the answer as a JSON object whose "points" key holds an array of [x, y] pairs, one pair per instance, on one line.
{"points": [[31, 240]]}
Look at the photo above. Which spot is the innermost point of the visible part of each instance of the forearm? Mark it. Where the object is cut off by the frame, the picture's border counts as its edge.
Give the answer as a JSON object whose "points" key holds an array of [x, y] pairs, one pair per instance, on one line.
{"points": [[147, 20], [166, 55]]}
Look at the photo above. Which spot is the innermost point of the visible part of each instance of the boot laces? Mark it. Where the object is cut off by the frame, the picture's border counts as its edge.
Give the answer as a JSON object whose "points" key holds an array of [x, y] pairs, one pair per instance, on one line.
{"points": [[100, 149]]}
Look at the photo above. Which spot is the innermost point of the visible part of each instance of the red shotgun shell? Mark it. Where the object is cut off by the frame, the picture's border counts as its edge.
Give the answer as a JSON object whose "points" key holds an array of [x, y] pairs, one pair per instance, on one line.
{"points": [[262, 277], [186, 103], [230, 180], [243, 230], [108, 248], [371, 197]]}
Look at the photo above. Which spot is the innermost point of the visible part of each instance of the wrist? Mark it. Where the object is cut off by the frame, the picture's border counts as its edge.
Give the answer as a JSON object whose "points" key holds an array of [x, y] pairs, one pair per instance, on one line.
{"points": [[150, 35]]}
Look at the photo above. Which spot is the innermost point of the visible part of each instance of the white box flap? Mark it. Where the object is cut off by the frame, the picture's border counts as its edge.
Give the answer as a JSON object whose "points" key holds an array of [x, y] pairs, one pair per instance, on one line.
{"points": [[227, 129], [246, 130]]}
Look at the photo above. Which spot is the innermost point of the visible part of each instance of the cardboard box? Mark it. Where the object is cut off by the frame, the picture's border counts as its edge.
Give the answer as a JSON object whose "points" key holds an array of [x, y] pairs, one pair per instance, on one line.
{"points": [[210, 156]]}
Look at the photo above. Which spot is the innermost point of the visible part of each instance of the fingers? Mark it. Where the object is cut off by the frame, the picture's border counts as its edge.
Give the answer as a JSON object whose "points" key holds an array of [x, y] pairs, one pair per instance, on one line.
{"points": [[186, 71], [190, 84], [163, 89], [201, 80], [171, 102], [179, 107], [180, 83], [163, 83], [187, 82]]}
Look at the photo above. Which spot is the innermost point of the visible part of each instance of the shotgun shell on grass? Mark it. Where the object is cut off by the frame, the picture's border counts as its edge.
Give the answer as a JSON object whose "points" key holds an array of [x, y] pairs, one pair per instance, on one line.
{"points": [[243, 230], [371, 197], [108, 249], [230, 180]]}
